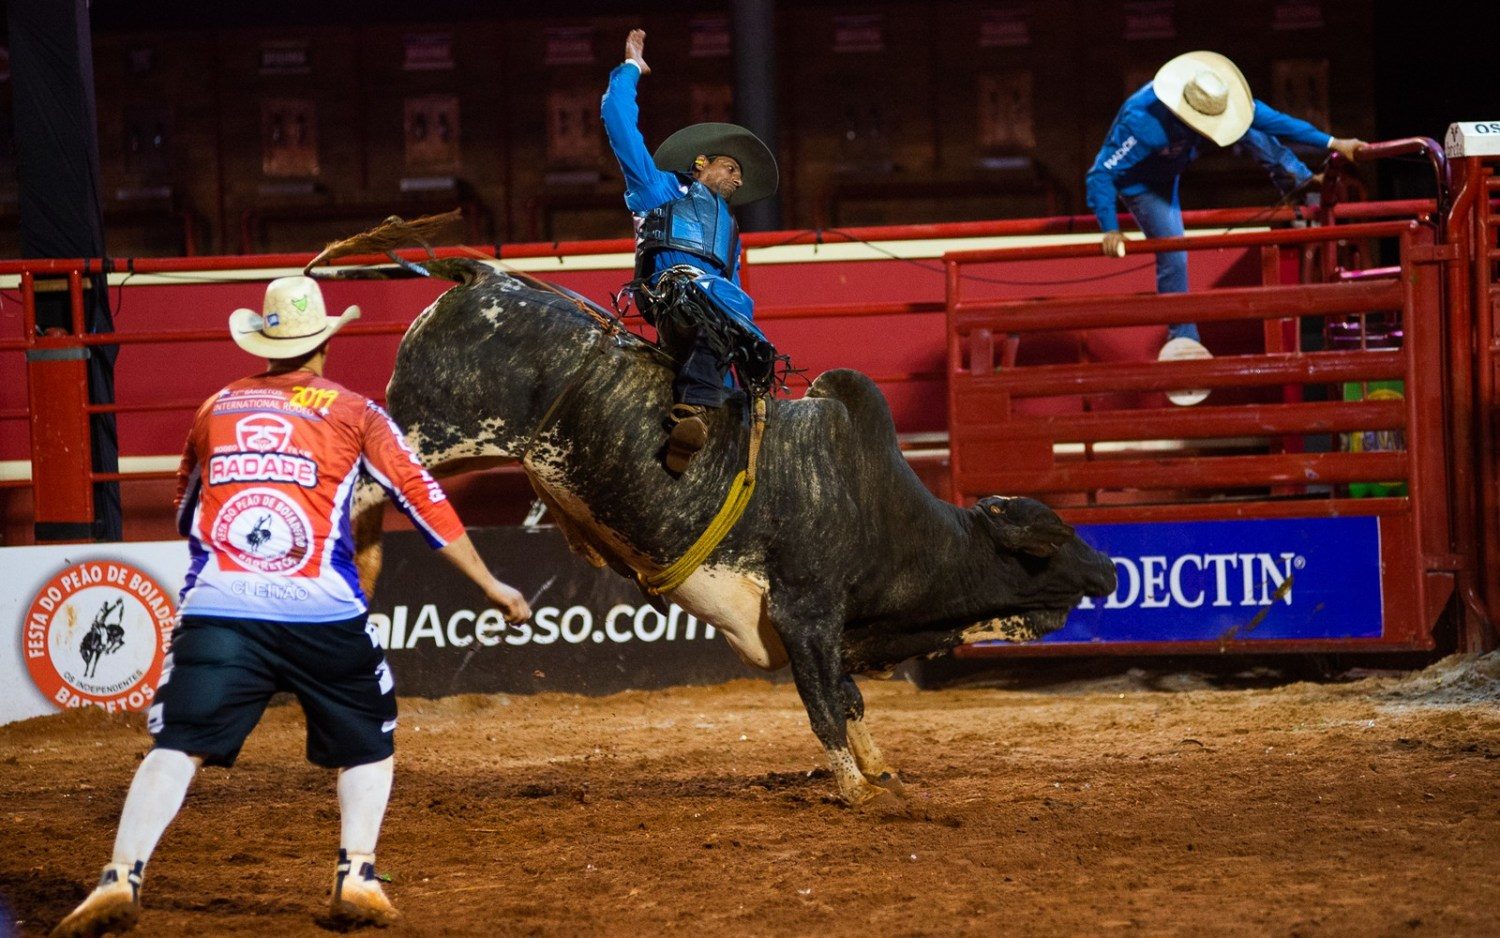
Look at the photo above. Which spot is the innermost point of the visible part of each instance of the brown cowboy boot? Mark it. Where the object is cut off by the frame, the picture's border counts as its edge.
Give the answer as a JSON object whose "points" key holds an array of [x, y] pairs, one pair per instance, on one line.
{"points": [[689, 433]]}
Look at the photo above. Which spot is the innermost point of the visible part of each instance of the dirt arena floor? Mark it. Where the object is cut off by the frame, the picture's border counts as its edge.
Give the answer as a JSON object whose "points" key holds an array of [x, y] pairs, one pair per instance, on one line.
{"points": [[1149, 804]]}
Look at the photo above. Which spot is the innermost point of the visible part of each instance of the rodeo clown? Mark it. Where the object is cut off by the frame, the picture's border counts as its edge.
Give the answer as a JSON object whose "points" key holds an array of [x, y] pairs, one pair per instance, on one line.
{"points": [[272, 601], [680, 200], [1194, 98]]}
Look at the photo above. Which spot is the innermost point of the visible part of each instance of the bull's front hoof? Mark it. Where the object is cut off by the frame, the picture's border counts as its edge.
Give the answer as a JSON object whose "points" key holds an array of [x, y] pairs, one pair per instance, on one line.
{"points": [[872, 799], [890, 781], [886, 804]]}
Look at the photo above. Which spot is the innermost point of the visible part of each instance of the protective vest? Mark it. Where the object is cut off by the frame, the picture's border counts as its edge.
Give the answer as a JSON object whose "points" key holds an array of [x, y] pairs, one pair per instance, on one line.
{"points": [[698, 223]]}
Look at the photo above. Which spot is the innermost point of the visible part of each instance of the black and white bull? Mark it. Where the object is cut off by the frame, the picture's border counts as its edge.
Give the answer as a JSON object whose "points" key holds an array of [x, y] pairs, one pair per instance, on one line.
{"points": [[843, 563]]}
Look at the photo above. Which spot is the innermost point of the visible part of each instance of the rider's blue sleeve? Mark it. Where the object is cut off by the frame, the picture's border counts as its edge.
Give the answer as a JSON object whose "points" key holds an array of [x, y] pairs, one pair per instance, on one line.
{"points": [[1268, 120], [646, 186], [1122, 150]]}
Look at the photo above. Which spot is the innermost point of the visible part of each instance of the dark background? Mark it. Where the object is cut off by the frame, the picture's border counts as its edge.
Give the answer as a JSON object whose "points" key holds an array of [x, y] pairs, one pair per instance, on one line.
{"points": [[890, 135]]}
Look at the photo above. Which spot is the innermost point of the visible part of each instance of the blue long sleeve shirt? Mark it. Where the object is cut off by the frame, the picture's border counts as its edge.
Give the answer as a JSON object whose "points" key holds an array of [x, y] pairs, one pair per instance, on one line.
{"points": [[646, 186], [1148, 148]]}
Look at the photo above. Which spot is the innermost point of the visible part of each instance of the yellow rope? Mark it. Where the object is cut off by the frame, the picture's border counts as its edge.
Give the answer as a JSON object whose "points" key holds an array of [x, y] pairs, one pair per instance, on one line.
{"points": [[666, 580], [738, 497]]}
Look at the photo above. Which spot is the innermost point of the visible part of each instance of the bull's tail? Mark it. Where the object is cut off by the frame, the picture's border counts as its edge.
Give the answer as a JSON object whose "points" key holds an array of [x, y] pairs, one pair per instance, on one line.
{"points": [[395, 232], [390, 235]]}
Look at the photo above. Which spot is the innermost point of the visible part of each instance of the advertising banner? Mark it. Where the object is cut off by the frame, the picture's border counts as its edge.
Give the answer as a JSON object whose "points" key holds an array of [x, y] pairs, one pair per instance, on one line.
{"points": [[87, 624], [591, 631], [91, 624], [1293, 578]]}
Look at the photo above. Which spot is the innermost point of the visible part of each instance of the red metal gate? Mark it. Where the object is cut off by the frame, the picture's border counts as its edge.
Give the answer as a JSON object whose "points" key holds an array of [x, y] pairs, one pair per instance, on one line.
{"points": [[1095, 463]]}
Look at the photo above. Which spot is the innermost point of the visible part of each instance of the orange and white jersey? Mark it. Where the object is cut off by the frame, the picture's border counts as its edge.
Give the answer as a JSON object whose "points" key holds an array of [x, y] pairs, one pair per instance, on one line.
{"points": [[265, 490]]}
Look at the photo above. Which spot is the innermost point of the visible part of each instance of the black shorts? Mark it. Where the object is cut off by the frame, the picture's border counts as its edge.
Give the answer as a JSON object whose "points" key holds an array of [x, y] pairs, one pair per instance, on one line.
{"points": [[221, 673]]}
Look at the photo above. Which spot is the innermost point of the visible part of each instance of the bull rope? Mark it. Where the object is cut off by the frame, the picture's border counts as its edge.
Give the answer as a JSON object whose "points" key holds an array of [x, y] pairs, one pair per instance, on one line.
{"points": [[735, 502]]}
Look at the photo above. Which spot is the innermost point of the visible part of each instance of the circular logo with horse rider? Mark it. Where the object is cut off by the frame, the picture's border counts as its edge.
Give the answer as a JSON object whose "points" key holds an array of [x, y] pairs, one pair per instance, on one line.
{"points": [[263, 531], [97, 634]]}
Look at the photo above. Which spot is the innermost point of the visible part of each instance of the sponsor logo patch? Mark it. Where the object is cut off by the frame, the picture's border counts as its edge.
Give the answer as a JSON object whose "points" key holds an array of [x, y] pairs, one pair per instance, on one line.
{"points": [[263, 433], [263, 531], [1115, 157], [262, 467], [97, 633]]}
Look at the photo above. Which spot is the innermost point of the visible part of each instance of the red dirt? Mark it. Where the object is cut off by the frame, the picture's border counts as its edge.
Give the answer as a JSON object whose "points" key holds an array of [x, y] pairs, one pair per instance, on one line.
{"points": [[1363, 808]]}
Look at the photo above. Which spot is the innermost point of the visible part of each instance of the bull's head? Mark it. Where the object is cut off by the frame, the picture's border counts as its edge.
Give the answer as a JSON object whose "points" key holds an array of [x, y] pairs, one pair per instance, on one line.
{"points": [[1044, 570], [1061, 568]]}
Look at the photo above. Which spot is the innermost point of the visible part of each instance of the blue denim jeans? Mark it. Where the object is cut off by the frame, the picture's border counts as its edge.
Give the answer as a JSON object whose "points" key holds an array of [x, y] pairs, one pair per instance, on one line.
{"points": [[1159, 215]]}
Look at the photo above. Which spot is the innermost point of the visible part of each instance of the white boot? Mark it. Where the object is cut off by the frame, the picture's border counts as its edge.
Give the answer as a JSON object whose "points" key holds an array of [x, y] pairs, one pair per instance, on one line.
{"points": [[113, 906], [357, 897], [1184, 349]]}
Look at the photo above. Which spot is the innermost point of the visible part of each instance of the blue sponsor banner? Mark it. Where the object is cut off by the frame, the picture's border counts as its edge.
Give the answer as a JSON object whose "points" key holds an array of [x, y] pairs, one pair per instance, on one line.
{"points": [[1299, 578]]}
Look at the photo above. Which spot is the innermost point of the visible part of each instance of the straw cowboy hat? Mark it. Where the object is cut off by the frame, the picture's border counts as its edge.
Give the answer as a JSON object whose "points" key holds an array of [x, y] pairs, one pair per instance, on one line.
{"points": [[757, 165], [292, 321], [1207, 92]]}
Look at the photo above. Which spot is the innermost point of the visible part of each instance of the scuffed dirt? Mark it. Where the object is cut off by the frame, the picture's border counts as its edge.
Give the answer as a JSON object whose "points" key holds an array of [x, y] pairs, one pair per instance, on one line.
{"points": [[1148, 807]]}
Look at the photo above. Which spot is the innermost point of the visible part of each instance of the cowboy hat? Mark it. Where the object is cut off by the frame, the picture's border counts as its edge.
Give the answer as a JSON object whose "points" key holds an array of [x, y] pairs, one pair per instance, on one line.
{"points": [[1207, 92], [757, 165], [292, 321]]}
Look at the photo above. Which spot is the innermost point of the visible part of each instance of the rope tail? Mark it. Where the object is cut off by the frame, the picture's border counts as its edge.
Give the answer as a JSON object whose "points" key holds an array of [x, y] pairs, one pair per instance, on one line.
{"points": [[395, 232]]}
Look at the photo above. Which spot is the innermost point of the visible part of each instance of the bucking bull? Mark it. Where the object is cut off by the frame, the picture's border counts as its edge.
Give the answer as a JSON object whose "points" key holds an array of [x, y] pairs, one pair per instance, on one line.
{"points": [[843, 563]]}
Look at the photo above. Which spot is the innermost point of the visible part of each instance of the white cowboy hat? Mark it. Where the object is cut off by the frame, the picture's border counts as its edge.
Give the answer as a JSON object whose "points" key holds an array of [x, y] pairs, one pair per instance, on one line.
{"points": [[1208, 93], [757, 166], [292, 321]]}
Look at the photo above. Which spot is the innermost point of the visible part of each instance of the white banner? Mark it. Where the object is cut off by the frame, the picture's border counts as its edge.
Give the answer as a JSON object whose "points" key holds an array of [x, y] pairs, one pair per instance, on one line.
{"points": [[90, 624]]}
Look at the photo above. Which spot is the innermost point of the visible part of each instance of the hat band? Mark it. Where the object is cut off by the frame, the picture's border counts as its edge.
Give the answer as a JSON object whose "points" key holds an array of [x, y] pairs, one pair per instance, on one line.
{"points": [[285, 338]]}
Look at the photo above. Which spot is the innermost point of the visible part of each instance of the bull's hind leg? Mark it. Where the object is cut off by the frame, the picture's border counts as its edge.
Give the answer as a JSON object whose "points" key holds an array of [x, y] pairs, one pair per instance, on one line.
{"points": [[867, 757], [368, 513], [815, 668], [369, 519]]}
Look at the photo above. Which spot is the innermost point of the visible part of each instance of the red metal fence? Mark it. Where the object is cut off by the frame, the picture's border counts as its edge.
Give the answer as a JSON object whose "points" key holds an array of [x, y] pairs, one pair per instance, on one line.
{"points": [[55, 410], [1437, 521]]}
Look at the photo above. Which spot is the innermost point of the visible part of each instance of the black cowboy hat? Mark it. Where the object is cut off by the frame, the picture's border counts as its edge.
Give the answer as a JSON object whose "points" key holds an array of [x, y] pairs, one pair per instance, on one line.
{"points": [[757, 165]]}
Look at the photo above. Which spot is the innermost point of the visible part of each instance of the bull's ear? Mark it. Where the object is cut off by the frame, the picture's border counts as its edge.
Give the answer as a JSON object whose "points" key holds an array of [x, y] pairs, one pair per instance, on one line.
{"points": [[1024, 525]]}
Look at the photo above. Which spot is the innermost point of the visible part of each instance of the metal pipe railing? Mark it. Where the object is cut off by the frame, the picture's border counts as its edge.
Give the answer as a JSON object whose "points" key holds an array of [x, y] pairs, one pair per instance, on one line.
{"points": [[1149, 309], [1194, 472], [1222, 372], [977, 328], [1060, 224], [1239, 239], [1407, 146], [1207, 423], [76, 270]]}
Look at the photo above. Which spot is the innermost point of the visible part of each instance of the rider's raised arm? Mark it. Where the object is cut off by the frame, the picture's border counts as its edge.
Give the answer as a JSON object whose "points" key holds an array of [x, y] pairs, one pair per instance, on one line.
{"points": [[646, 186]]}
